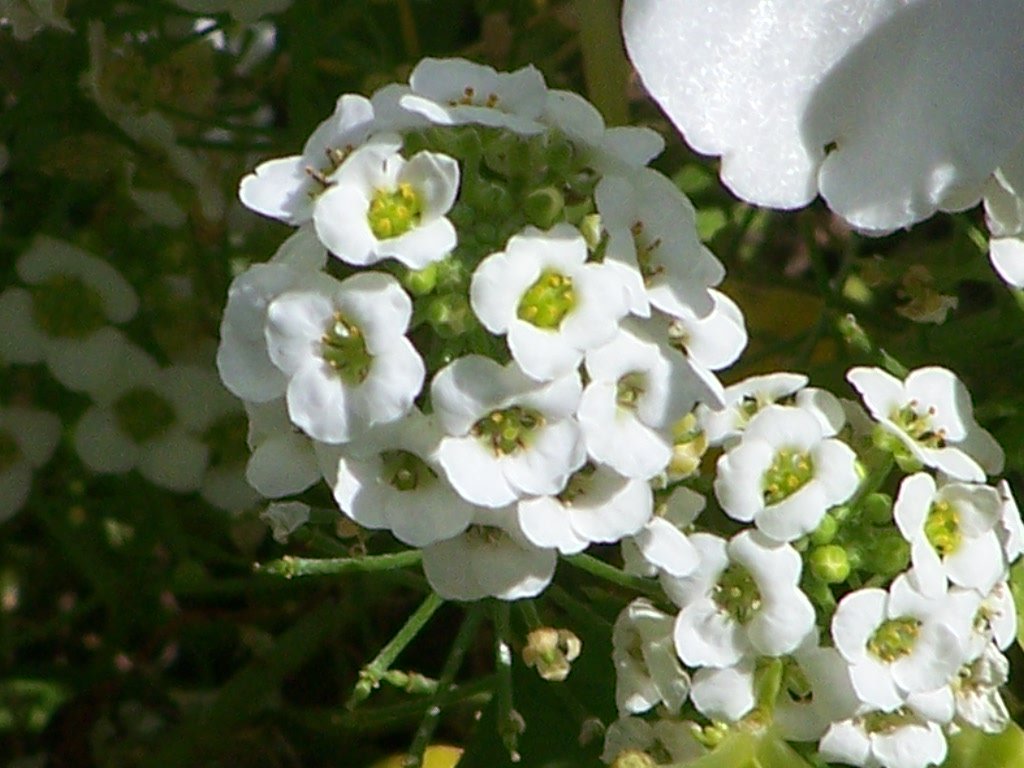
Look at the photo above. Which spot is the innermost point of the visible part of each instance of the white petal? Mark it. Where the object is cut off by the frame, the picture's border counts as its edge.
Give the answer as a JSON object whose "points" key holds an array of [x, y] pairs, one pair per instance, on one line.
{"points": [[175, 461], [279, 188], [282, 466], [545, 522], [724, 693], [475, 472]]}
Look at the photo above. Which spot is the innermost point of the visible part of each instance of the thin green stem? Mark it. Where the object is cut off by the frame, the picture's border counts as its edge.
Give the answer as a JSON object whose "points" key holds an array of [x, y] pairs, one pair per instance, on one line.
{"points": [[528, 609], [464, 638], [371, 674], [289, 567], [510, 722], [605, 67], [611, 574]]}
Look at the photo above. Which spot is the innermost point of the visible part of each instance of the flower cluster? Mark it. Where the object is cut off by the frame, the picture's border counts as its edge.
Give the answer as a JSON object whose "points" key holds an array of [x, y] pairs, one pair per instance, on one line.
{"points": [[486, 329], [864, 605]]}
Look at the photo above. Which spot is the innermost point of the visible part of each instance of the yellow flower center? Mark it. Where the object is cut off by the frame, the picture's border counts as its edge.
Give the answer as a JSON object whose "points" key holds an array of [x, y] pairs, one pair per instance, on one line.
{"points": [[509, 430], [790, 472], [392, 213], [894, 638], [344, 349], [546, 303]]}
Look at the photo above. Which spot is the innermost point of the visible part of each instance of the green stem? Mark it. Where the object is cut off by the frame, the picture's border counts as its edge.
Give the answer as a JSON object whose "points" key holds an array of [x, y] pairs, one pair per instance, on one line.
{"points": [[289, 567], [605, 67], [611, 574], [371, 674], [464, 638], [510, 722], [528, 609]]}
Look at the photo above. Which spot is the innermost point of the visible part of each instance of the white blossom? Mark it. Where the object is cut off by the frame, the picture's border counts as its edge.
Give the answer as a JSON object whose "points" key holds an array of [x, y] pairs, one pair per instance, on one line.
{"points": [[891, 110], [901, 739], [647, 671], [508, 435], [662, 544], [28, 438], [379, 205], [551, 303]]}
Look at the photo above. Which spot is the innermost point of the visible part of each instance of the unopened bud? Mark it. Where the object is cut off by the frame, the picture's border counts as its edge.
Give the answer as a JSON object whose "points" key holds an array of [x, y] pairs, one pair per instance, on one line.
{"points": [[590, 228], [551, 651], [420, 282], [853, 334], [543, 207], [830, 564], [826, 530], [877, 508]]}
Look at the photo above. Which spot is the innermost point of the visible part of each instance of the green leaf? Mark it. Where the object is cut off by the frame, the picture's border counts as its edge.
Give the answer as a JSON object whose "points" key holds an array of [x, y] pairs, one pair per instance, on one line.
{"points": [[974, 749]]}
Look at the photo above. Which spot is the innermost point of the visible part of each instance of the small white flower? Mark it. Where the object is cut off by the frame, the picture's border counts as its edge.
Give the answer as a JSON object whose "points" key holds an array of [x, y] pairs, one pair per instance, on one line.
{"points": [[550, 302], [1004, 214], [508, 435], [380, 205], [342, 346], [391, 479], [743, 601], [746, 398], [61, 318], [28, 438], [283, 461], [671, 739], [596, 505], [827, 697], [976, 692], [285, 518], [150, 419], [897, 643], [647, 671], [784, 475], [490, 559], [662, 544], [713, 341], [286, 188], [652, 239], [456, 91], [621, 149], [930, 413], [899, 739], [242, 359], [637, 391], [951, 530], [911, 96]]}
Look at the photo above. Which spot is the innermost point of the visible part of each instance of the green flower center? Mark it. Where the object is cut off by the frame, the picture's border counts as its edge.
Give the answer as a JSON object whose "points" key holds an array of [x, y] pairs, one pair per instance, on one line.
{"points": [[942, 528], [630, 389], [392, 213], [790, 472], [143, 414], [547, 301], [919, 425], [578, 485], [65, 307], [344, 349], [486, 534], [894, 638], [737, 593], [226, 439], [509, 430], [10, 452], [887, 722], [405, 471]]}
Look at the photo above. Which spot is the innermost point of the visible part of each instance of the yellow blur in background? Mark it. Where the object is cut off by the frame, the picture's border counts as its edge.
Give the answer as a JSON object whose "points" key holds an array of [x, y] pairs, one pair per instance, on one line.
{"points": [[435, 757]]}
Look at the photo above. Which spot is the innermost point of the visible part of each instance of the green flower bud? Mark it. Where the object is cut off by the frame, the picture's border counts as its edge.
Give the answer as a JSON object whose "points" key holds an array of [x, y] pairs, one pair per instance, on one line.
{"points": [[890, 554], [450, 315], [853, 334], [543, 207], [420, 282], [590, 228], [634, 759], [830, 564], [826, 530], [877, 508]]}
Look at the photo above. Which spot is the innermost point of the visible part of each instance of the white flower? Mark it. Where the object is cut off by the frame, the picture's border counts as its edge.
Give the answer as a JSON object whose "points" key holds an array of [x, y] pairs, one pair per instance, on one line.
{"points": [[713, 341], [951, 530], [725, 693], [391, 479], [509, 436], [637, 391], [746, 398], [287, 188], [283, 461], [976, 692], [61, 318], [621, 149], [652, 240], [550, 302], [897, 643], [784, 475], [673, 739], [490, 559], [662, 545], [930, 413], [285, 518], [342, 346], [901, 739], [827, 697], [242, 359], [1004, 214], [1011, 527], [647, 672], [150, 419], [456, 91], [380, 205], [596, 505], [743, 601], [28, 438], [911, 96]]}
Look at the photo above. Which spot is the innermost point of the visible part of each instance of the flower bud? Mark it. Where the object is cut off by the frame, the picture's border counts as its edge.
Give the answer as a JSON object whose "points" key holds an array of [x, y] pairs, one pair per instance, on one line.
{"points": [[853, 334], [543, 207], [420, 282], [551, 651], [877, 508], [634, 758], [826, 530], [830, 564]]}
